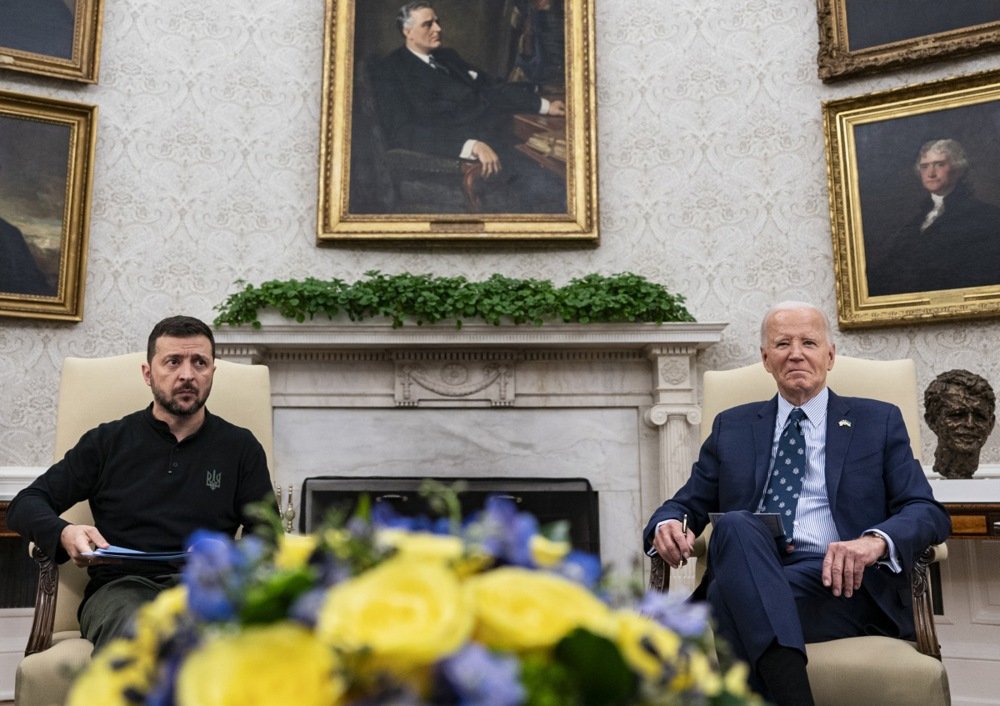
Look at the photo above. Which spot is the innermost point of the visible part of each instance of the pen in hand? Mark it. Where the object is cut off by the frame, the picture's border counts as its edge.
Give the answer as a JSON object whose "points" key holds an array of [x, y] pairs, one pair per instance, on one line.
{"points": [[684, 530]]}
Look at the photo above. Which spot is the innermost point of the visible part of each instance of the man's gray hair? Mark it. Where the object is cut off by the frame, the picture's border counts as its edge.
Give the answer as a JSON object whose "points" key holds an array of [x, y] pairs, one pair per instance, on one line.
{"points": [[792, 305], [405, 17], [952, 148]]}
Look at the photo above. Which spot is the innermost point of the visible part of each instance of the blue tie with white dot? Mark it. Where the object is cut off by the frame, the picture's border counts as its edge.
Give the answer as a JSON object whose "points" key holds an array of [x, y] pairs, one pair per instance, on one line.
{"points": [[785, 483]]}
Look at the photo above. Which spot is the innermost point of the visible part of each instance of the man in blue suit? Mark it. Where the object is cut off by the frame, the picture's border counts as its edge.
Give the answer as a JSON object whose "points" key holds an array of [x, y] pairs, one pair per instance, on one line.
{"points": [[863, 515]]}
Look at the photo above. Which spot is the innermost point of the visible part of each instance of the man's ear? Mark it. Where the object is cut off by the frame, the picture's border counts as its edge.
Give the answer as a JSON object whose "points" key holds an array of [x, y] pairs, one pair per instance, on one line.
{"points": [[147, 375]]}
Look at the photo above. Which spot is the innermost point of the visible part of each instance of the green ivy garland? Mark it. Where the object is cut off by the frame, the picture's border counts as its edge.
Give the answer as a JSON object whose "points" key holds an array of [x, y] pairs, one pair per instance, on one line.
{"points": [[426, 299]]}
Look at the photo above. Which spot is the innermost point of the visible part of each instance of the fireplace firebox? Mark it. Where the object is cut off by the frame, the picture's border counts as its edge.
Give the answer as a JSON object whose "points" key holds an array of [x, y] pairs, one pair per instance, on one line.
{"points": [[548, 499]]}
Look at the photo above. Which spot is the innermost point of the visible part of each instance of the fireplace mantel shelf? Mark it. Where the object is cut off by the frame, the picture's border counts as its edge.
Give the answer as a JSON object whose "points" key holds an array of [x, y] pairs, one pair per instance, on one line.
{"points": [[279, 334]]}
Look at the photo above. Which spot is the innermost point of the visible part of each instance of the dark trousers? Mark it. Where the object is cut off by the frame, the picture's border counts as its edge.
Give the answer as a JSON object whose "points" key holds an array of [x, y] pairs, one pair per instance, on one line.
{"points": [[761, 595], [110, 612]]}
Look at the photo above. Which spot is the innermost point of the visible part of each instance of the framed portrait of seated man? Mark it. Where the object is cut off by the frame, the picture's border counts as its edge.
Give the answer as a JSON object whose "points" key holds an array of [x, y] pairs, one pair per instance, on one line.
{"points": [[57, 38], [914, 184], [456, 121]]}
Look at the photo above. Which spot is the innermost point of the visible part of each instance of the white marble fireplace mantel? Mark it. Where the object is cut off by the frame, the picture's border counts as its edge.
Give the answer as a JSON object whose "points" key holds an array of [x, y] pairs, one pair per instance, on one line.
{"points": [[614, 403]]}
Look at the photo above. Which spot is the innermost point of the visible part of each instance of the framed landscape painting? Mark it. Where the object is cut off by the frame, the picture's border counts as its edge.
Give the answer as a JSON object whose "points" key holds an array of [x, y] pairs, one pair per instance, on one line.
{"points": [[865, 36], [57, 38], [46, 166], [914, 181], [458, 122]]}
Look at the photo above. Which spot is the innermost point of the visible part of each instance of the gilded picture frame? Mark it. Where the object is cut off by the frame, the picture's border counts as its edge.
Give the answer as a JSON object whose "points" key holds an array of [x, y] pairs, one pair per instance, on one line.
{"points": [[389, 174], [867, 36], [914, 187], [46, 172], [55, 38]]}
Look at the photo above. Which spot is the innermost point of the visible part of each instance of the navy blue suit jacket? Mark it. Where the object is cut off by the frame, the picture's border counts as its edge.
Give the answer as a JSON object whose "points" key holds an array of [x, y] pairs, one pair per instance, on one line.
{"points": [[872, 481]]}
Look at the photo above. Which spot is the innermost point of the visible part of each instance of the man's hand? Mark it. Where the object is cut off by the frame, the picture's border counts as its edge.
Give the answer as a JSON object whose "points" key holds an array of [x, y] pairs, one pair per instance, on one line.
{"points": [[77, 539], [557, 107], [488, 158], [673, 544], [845, 563]]}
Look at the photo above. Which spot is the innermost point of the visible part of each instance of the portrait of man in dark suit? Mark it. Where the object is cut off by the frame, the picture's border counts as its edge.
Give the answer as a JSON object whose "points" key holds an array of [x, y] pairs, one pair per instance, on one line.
{"points": [[429, 100], [952, 238]]}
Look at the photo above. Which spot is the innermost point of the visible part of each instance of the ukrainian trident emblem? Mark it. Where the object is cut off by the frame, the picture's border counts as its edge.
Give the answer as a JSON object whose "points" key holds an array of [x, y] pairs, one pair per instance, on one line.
{"points": [[213, 479]]}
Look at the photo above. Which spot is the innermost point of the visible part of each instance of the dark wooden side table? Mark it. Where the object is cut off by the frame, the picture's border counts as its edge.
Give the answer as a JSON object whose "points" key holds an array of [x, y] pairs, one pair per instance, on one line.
{"points": [[974, 520]]}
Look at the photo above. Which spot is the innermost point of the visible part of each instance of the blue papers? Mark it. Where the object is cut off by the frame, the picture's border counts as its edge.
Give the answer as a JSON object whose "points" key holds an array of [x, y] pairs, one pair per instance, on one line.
{"points": [[126, 554]]}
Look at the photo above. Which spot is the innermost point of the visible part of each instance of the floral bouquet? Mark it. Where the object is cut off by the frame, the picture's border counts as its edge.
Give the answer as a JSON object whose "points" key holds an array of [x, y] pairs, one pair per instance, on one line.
{"points": [[388, 610]]}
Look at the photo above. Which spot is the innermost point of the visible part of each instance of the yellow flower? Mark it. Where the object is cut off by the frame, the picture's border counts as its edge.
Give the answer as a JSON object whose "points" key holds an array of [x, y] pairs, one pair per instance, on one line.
{"points": [[157, 620], [113, 671], [422, 545], [645, 644], [735, 680], [700, 674], [406, 612], [280, 663], [294, 550], [546, 552], [518, 609]]}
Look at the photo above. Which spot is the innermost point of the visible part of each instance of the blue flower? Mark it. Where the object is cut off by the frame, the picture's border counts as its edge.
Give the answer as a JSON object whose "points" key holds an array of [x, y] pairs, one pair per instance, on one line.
{"points": [[504, 533], [482, 678], [581, 567], [209, 574], [687, 619]]}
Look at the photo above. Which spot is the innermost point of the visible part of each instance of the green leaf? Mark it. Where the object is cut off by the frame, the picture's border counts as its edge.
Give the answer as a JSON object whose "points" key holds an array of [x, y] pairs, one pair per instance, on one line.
{"points": [[597, 666]]}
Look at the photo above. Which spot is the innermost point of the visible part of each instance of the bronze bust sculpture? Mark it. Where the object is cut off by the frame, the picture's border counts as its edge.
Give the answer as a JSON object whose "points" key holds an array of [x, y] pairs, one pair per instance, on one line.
{"points": [[959, 407]]}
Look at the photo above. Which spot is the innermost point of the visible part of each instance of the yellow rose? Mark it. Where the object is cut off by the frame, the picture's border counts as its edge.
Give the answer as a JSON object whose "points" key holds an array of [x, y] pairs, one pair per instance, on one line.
{"points": [[113, 670], [294, 550], [519, 609], [546, 552], [281, 663], [422, 545], [637, 634], [406, 613]]}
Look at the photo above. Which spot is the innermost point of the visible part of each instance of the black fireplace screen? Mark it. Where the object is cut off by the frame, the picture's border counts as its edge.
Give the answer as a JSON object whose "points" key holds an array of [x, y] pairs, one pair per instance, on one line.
{"points": [[548, 499]]}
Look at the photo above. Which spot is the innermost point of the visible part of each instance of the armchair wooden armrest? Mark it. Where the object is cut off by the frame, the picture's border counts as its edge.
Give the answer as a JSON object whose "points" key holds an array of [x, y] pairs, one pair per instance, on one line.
{"points": [[923, 613], [45, 602]]}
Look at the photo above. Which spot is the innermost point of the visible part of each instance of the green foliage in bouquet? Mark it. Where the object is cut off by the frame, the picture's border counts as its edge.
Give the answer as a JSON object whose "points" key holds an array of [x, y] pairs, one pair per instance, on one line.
{"points": [[425, 298], [379, 609]]}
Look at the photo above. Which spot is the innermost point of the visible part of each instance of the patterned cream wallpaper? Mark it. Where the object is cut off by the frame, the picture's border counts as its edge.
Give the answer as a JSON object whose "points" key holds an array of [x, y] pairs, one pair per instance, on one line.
{"points": [[712, 181]]}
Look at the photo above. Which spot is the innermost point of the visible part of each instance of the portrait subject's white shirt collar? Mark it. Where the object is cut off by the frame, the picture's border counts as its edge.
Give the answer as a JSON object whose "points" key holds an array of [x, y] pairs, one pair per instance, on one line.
{"points": [[423, 57]]}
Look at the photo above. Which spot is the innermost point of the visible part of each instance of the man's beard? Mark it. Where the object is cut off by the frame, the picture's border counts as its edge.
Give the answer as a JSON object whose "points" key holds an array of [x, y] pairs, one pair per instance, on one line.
{"points": [[174, 407]]}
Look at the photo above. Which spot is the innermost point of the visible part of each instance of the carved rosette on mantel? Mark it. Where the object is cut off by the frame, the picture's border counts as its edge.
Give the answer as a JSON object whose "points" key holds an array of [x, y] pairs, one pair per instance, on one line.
{"points": [[614, 403]]}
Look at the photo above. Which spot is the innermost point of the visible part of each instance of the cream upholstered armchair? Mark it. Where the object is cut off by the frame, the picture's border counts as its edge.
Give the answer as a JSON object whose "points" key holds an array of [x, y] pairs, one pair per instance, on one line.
{"points": [[91, 391], [872, 670]]}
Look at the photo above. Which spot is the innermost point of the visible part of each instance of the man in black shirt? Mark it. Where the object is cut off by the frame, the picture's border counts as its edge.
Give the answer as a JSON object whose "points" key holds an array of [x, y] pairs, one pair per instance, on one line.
{"points": [[152, 478]]}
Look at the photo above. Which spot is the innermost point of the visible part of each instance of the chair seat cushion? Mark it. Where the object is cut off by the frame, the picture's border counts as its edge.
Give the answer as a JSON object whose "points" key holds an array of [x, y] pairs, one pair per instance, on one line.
{"points": [[875, 671], [44, 678]]}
